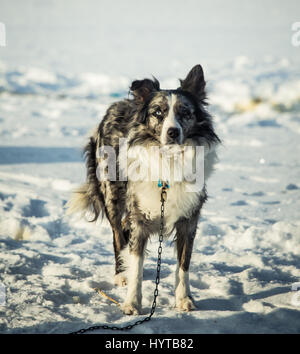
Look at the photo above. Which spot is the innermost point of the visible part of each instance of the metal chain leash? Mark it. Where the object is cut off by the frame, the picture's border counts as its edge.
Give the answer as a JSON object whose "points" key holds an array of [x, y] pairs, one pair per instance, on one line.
{"points": [[163, 198]]}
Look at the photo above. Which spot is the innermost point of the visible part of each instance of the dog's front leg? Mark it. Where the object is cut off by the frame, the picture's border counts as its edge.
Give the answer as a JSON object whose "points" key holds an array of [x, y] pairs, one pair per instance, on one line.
{"points": [[133, 301], [185, 234]]}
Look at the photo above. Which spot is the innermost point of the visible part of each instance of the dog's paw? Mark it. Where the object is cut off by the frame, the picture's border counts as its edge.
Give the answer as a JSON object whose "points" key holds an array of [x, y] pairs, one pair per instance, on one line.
{"points": [[185, 304], [120, 279], [131, 309]]}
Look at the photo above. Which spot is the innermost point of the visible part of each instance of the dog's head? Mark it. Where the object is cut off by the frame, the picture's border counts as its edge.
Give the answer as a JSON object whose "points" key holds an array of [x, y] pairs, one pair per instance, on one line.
{"points": [[173, 116]]}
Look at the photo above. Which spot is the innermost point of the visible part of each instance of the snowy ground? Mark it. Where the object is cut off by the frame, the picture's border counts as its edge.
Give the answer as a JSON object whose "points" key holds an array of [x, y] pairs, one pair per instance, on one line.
{"points": [[246, 256], [247, 251]]}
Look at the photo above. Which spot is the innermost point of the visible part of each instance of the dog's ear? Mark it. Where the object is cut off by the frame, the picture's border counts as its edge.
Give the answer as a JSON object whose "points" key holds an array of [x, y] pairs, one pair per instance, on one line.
{"points": [[141, 89], [194, 82]]}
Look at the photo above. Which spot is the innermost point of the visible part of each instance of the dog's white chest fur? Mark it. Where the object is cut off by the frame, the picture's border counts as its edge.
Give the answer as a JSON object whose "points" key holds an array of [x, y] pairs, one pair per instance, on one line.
{"points": [[179, 203]]}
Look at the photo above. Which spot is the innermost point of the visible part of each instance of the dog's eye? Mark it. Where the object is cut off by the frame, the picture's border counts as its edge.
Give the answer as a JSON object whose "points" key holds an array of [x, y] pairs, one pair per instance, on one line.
{"points": [[185, 113], [158, 113]]}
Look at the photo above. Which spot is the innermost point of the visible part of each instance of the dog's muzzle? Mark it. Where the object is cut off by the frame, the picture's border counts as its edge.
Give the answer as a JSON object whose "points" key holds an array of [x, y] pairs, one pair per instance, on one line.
{"points": [[173, 135]]}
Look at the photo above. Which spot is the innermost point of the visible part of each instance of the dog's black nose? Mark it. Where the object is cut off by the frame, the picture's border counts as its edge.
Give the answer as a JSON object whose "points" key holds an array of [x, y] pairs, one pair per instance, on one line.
{"points": [[173, 133]]}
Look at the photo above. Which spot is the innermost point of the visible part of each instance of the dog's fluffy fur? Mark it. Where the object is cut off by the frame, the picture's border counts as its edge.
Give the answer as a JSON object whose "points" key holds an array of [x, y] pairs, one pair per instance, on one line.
{"points": [[153, 117]]}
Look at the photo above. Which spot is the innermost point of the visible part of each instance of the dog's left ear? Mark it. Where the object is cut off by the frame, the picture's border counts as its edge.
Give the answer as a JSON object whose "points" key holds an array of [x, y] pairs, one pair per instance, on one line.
{"points": [[194, 82], [141, 89]]}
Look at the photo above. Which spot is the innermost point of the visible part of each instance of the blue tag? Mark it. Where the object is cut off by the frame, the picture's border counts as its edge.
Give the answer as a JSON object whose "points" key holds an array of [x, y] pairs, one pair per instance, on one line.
{"points": [[160, 184]]}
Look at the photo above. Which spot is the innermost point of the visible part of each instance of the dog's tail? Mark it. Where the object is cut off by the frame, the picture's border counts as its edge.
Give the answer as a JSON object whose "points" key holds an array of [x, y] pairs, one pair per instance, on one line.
{"points": [[88, 199]]}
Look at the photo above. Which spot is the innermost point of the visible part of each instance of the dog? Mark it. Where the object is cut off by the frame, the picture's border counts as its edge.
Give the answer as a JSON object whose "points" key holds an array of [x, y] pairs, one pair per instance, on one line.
{"points": [[152, 117]]}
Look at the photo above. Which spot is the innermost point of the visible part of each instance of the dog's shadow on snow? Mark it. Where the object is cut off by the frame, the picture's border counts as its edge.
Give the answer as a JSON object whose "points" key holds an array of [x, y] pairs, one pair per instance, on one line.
{"points": [[151, 272], [235, 303], [102, 285], [238, 299]]}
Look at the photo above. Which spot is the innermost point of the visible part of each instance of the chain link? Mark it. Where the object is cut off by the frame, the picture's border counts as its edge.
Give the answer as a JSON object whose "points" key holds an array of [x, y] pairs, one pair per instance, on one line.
{"points": [[163, 197]]}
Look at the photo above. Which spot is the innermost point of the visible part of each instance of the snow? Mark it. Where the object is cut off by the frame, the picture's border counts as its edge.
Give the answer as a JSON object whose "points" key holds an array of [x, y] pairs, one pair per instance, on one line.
{"points": [[53, 93]]}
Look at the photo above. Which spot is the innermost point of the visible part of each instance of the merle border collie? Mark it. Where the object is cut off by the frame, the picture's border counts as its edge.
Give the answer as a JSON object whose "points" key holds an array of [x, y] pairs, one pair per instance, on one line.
{"points": [[151, 117]]}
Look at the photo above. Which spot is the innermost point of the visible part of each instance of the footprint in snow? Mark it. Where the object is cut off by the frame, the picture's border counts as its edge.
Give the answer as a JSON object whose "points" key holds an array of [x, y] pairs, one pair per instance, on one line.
{"points": [[291, 187], [255, 194], [35, 208], [239, 203]]}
